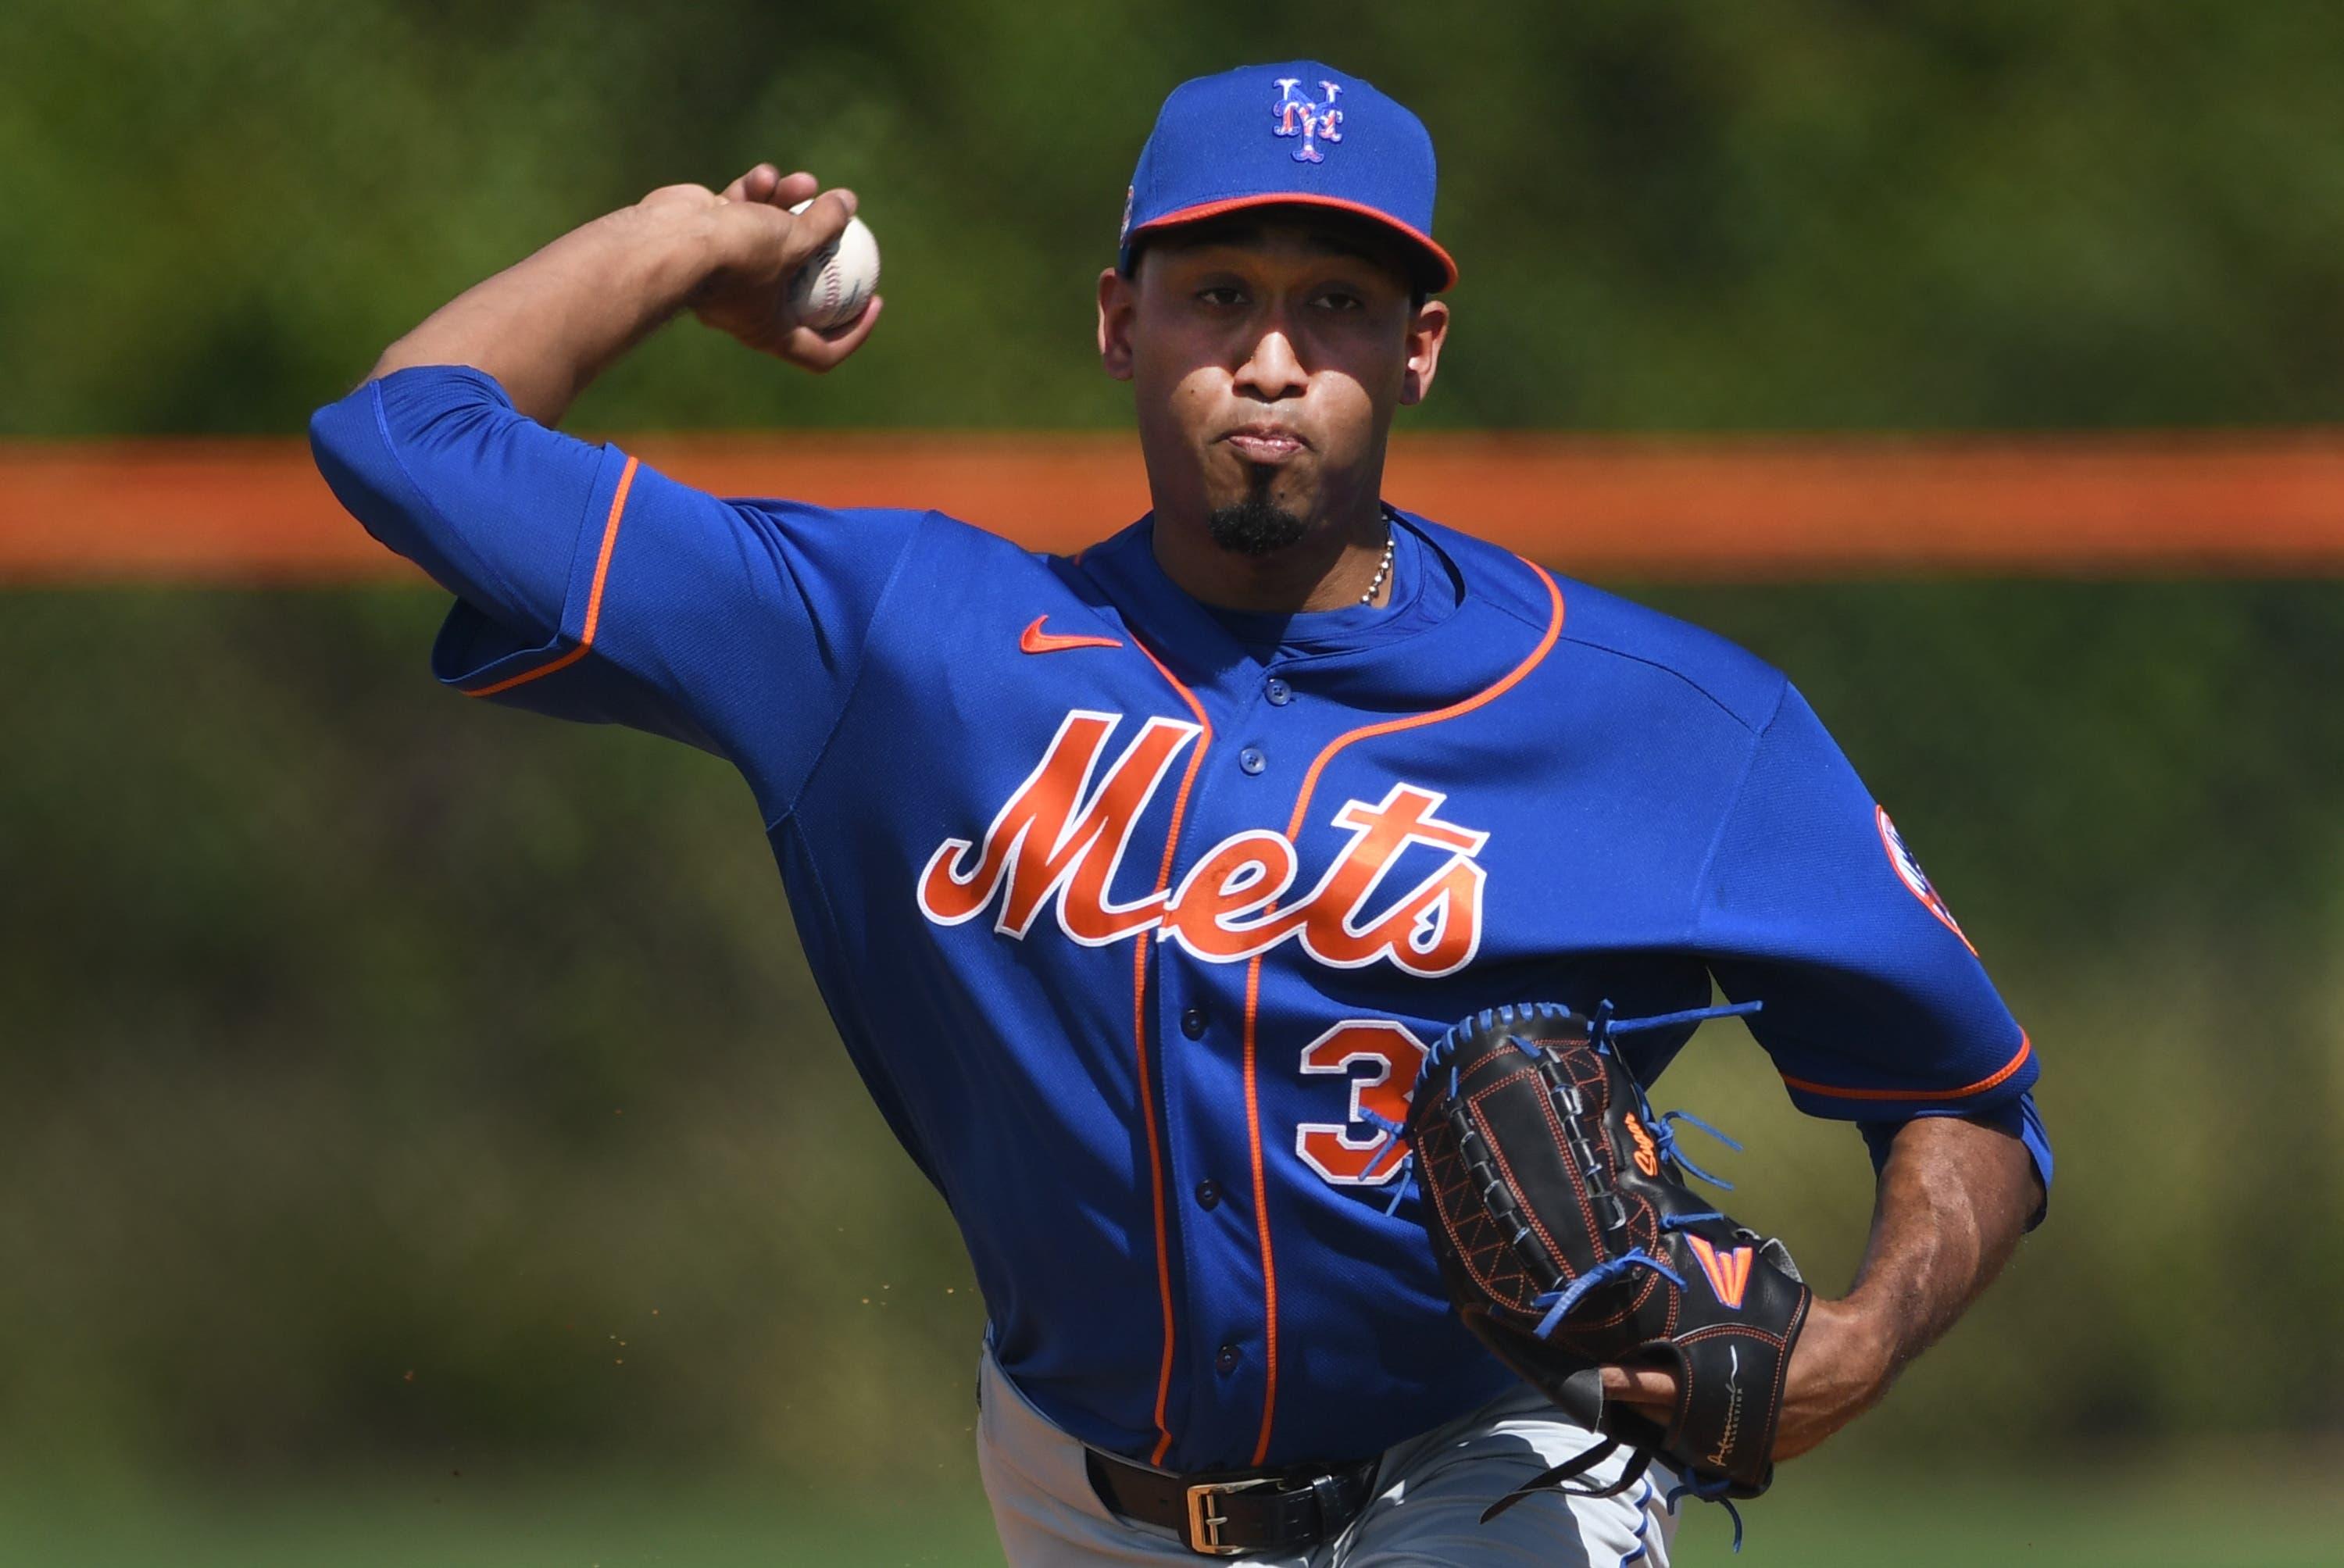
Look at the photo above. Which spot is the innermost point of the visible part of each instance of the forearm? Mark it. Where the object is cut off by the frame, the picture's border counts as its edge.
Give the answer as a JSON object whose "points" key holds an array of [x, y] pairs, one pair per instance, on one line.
{"points": [[1954, 1196], [547, 326]]}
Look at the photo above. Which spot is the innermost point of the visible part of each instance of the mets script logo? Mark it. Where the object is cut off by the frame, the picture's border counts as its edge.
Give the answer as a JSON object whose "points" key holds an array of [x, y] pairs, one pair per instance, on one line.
{"points": [[1061, 838], [1314, 123]]}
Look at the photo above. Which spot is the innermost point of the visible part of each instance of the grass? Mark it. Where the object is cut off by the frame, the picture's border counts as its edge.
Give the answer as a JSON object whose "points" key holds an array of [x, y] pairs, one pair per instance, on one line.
{"points": [[2235, 1510]]}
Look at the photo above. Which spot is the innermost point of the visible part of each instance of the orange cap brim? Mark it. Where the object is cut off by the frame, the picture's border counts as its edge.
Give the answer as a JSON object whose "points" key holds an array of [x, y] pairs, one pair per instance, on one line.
{"points": [[1441, 260]]}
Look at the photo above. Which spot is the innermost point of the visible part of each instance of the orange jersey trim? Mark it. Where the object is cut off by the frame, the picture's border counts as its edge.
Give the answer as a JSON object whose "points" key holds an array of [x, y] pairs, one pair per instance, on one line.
{"points": [[1482, 698], [593, 597], [1455, 710], [1139, 1043], [1999, 1077], [1291, 198]]}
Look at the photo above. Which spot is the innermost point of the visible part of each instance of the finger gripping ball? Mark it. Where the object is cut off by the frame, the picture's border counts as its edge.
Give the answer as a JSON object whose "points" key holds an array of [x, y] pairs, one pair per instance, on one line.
{"points": [[836, 281]]}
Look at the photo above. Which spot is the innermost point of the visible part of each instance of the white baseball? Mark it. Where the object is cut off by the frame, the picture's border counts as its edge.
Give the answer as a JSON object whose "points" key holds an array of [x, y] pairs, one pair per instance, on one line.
{"points": [[836, 281]]}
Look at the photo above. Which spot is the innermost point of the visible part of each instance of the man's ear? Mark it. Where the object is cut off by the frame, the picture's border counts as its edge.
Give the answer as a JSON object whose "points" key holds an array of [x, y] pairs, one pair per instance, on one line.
{"points": [[1426, 333], [1119, 302]]}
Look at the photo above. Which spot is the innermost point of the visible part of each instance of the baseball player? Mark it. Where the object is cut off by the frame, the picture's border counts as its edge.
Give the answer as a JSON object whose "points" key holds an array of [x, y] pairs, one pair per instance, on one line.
{"points": [[1136, 882]]}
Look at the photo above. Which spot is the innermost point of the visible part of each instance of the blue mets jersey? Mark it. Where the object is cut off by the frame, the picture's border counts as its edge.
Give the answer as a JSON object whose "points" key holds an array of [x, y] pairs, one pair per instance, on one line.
{"points": [[1129, 909]]}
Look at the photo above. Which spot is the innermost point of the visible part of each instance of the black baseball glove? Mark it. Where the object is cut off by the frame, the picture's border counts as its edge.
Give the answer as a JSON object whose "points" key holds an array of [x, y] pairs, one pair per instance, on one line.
{"points": [[1557, 1204]]}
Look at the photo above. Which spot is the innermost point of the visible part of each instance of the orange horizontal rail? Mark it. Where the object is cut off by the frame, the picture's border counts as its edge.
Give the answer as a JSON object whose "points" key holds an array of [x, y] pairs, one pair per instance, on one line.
{"points": [[1780, 508]]}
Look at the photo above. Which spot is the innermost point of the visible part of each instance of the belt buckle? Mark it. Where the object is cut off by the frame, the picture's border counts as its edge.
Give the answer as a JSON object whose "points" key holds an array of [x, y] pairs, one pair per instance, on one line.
{"points": [[1204, 1521]]}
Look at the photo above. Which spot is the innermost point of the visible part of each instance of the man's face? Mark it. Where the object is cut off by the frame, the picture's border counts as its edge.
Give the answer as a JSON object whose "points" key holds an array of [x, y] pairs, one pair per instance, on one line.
{"points": [[1266, 353]]}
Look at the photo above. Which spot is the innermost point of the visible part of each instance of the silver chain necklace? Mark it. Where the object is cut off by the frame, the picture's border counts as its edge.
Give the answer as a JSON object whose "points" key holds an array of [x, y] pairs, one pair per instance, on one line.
{"points": [[1383, 570]]}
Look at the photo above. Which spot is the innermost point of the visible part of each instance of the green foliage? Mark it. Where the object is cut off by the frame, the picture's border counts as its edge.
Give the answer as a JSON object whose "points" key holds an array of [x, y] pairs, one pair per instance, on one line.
{"points": [[1800, 212], [353, 1032]]}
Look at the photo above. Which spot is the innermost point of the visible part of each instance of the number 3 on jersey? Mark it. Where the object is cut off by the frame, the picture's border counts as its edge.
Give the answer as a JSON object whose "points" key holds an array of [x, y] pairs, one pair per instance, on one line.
{"points": [[1357, 1153]]}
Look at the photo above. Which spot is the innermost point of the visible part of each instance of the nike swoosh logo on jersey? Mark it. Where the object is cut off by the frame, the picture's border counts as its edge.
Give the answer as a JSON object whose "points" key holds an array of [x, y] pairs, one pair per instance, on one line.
{"points": [[1033, 639]]}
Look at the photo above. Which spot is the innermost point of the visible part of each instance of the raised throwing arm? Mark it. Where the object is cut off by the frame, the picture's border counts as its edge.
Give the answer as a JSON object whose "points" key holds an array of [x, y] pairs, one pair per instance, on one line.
{"points": [[589, 585], [547, 326]]}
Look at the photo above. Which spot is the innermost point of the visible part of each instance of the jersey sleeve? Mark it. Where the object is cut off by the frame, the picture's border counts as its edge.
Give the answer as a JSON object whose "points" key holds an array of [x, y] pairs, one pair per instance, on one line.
{"points": [[2021, 1120], [1875, 1007], [592, 587]]}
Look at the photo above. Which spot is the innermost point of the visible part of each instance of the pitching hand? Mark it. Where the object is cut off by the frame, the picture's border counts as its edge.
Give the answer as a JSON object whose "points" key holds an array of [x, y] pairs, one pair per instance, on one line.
{"points": [[755, 245], [1838, 1370]]}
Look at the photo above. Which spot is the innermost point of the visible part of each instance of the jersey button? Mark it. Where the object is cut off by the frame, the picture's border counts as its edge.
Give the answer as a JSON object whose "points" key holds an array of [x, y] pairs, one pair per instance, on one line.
{"points": [[1192, 1023], [1251, 760], [1225, 1359], [1208, 1194], [1278, 691]]}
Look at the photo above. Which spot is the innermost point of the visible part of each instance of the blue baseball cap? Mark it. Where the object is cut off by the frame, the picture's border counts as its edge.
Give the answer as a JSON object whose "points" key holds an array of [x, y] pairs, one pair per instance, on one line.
{"points": [[1300, 133]]}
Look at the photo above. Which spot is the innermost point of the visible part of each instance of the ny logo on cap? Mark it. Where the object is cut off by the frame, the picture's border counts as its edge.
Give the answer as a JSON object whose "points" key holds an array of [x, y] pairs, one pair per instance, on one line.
{"points": [[1314, 123]]}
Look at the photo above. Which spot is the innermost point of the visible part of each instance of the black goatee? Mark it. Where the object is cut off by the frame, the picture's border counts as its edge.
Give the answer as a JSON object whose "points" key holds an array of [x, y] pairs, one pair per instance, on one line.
{"points": [[1256, 525]]}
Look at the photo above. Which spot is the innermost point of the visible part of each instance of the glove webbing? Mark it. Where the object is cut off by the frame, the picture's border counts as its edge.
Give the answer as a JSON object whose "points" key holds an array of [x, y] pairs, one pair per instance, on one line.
{"points": [[1613, 1215]]}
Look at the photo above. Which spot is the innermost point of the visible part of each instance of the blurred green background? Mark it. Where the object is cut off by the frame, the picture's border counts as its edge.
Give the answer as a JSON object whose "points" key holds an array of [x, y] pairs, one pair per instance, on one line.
{"points": [[419, 1141]]}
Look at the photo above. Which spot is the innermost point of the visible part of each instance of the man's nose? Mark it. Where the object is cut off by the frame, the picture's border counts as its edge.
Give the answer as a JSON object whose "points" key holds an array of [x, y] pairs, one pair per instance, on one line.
{"points": [[1273, 371]]}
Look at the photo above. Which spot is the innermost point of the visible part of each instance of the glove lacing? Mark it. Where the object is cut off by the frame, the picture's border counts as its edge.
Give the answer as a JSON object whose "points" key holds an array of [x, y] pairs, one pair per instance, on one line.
{"points": [[1559, 1304]]}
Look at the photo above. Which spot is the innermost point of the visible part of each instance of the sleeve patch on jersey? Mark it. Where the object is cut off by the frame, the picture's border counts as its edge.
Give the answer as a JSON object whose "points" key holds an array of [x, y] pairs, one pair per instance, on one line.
{"points": [[1909, 872]]}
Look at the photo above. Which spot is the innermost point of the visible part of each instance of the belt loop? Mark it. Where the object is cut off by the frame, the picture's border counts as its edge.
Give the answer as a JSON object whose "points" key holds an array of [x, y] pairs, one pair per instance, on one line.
{"points": [[1330, 1494]]}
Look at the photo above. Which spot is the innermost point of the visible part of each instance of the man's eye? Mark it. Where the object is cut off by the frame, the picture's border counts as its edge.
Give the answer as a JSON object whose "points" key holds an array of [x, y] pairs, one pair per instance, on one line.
{"points": [[1221, 294], [1342, 299]]}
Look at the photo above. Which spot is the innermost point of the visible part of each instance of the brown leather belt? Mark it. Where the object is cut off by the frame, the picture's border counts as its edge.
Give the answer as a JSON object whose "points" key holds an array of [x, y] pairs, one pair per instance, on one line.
{"points": [[1225, 1514]]}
